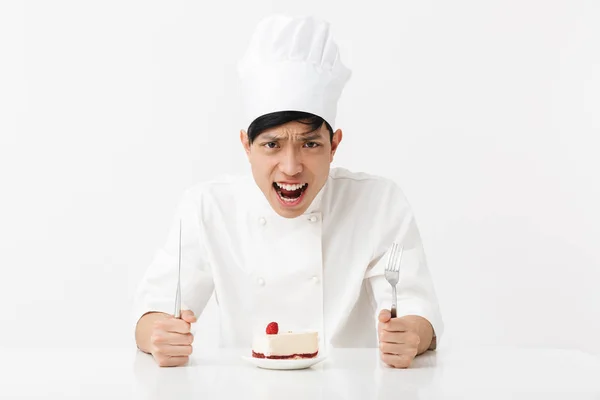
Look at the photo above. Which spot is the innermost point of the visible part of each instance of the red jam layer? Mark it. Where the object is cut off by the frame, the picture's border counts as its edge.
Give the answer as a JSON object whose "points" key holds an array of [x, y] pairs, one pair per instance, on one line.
{"points": [[261, 355]]}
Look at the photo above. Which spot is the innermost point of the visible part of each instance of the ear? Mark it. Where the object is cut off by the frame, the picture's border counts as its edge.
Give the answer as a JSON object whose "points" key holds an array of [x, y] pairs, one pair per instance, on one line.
{"points": [[335, 142], [245, 141]]}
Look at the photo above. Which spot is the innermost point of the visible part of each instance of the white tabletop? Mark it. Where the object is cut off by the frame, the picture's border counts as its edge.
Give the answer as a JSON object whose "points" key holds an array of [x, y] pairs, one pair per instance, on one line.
{"points": [[480, 373]]}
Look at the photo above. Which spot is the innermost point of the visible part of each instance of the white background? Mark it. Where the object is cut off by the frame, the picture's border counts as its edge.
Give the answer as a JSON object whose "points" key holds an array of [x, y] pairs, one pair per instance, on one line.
{"points": [[486, 112]]}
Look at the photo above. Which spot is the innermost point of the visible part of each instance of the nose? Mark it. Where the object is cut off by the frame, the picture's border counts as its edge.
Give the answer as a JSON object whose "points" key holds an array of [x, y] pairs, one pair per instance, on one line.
{"points": [[291, 163]]}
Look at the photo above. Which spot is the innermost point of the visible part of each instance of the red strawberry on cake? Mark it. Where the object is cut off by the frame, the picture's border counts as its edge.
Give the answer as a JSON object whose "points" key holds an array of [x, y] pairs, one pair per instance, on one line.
{"points": [[273, 328], [285, 345]]}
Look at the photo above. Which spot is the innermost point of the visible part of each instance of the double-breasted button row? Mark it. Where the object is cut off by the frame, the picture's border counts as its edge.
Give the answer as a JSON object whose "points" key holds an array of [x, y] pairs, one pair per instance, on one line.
{"points": [[311, 218], [261, 281]]}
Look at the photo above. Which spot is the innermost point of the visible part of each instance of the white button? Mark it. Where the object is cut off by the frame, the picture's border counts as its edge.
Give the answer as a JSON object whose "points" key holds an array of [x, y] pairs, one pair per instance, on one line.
{"points": [[260, 281], [312, 218], [315, 279], [262, 221]]}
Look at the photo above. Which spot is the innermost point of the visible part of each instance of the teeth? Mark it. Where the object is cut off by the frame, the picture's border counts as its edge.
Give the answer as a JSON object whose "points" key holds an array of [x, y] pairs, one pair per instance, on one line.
{"points": [[290, 187]]}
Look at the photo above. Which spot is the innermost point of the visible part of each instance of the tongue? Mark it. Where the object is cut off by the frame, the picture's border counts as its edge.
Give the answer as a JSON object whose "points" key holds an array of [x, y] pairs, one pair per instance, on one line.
{"points": [[291, 194]]}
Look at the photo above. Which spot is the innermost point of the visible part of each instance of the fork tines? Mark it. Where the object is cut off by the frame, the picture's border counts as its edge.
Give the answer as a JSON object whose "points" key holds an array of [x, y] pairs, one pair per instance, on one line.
{"points": [[393, 264]]}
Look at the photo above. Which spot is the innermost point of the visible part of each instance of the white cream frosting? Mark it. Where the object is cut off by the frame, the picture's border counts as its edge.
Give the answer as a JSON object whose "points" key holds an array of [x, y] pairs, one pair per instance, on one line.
{"points": [[286, 343]]}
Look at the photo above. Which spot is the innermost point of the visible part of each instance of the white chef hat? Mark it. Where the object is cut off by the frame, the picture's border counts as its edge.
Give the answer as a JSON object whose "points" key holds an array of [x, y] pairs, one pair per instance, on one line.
{"points": [[292, 64]]}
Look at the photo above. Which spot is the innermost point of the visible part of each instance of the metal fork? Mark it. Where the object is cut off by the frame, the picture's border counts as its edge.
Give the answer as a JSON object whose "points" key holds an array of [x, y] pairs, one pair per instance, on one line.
{"points": [[392, 272]]}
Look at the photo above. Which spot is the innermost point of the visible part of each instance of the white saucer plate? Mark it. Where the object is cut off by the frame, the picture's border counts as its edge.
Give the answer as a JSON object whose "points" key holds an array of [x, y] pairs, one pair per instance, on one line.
{"points": [[290, 364]]}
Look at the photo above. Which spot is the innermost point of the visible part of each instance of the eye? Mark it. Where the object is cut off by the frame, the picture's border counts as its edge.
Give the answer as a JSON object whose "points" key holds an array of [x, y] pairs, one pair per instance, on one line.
{"points": [[312, 145], [270, 145]]}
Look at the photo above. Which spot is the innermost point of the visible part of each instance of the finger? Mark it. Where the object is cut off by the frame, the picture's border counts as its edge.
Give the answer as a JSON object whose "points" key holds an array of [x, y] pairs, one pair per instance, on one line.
{"points": [[173, 351], [396, 361], [395, 325], [173, 325], [164, 337], [398, 349], [392, 326], [408, 338], [384, 316], [188, 316], [166, 361]]}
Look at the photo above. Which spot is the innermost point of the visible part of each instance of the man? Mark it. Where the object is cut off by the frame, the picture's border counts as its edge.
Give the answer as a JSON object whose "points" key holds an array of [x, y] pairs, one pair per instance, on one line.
{"points": [[297, 243]]}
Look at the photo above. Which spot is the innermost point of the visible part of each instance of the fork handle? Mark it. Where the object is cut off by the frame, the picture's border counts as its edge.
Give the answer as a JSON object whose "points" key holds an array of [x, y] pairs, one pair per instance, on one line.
{"points": [[393, 310]]}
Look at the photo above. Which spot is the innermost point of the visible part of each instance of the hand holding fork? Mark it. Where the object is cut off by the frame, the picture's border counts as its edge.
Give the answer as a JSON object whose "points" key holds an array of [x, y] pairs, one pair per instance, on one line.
{"points": [[398, 337]]}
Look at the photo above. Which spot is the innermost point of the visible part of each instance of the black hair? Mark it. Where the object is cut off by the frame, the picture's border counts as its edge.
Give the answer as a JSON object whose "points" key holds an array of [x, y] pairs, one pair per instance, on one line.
{"points": [[272, 120]]}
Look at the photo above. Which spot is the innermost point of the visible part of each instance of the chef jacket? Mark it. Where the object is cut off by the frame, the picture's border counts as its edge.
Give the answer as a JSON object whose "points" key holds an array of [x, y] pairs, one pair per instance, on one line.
{"points": [[323, 270]]}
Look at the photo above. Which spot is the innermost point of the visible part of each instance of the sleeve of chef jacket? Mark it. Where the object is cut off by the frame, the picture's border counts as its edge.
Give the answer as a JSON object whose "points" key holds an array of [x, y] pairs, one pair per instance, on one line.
{"points": [[415, 289], [157, 289]]}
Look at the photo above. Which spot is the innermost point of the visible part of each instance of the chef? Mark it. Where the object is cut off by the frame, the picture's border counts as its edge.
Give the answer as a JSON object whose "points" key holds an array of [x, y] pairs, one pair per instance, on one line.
{"points": [[296, 241]]}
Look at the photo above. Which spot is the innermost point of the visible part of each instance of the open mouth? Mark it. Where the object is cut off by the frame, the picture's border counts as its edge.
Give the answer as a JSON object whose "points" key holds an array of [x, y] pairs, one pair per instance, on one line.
{"points": [[290, 194]]}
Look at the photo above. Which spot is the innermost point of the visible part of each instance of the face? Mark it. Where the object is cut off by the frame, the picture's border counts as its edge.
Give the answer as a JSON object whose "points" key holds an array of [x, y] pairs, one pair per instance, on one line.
{"points": [[290, 165]]}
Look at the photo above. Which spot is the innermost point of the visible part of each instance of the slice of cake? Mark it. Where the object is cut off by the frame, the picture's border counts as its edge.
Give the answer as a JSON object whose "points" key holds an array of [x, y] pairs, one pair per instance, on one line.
{"points": [[285, 345]]}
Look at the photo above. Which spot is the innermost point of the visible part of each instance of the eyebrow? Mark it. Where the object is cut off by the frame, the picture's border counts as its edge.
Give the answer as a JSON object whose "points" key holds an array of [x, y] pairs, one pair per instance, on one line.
{"points": [[270, 137]]}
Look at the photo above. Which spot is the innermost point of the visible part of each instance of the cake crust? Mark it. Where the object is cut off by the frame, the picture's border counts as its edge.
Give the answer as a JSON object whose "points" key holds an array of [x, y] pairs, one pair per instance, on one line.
{"points": [[293, 356]]}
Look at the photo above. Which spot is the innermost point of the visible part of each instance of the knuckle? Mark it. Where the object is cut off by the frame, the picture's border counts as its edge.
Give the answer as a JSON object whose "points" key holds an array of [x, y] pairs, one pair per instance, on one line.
{"points": [[404, 361], [388, 359], [189, 318], [396, 361], [155, 339], [163, 362], [183, 326], [399, 364]]}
